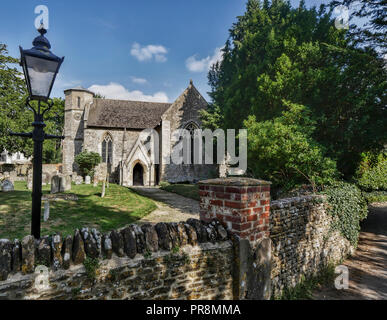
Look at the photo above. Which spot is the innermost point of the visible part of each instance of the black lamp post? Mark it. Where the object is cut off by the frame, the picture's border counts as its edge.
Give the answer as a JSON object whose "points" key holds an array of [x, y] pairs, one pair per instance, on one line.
{"points": [[40, 67]]}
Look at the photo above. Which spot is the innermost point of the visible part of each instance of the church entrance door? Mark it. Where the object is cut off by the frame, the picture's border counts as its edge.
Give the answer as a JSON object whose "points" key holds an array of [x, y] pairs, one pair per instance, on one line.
{"points": [[138, 175]]}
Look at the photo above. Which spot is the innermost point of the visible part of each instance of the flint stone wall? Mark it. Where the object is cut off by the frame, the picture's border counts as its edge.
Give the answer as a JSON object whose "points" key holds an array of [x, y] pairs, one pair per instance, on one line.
{"points": [[137, 262], [303, 242]]}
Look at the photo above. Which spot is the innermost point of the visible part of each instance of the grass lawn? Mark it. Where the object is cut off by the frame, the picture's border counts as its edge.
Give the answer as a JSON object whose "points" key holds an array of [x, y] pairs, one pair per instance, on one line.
{"points": [[186, 190], [118, 208]]}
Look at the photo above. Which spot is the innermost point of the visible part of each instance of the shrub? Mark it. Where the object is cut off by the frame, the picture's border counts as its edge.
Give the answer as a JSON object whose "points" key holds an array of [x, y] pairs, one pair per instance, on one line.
{"points": [[348, 207], [283, 151], [87, 161], [375, 196], [372, 172]]}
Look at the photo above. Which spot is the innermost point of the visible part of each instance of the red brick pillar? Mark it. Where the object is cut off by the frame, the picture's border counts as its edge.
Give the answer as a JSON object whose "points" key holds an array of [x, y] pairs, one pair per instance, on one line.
{"points": [[242, 205]]}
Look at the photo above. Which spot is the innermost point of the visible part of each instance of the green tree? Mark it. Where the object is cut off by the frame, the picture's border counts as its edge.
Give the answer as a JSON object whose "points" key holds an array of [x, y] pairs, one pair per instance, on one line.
{"points": [[14, 116], [283, 151], [276, 53], [87, 161], [374, 32], [52, 151]]}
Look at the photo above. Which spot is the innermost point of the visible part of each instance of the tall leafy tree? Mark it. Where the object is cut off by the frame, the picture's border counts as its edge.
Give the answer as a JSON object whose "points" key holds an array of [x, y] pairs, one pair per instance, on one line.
{"points": [[16, 117], [277, 53], [374, 32], [13, 114]]}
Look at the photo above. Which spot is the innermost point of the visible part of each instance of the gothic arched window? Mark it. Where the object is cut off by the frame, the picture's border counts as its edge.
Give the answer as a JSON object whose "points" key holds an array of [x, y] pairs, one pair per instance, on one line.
{"points": [[107, 149], [191, 127]]}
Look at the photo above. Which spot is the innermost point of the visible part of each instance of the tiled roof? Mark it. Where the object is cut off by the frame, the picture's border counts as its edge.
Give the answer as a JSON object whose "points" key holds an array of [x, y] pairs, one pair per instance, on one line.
{"points": [[109, 113]]}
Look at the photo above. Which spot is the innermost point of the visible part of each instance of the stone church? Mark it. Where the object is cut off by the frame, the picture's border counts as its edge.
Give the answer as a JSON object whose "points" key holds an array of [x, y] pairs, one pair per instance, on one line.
{"points": [[112, 129]]}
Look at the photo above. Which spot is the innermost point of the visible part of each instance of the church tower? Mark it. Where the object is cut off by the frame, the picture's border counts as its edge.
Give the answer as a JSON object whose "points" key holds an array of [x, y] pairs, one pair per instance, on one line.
{"points": [[77, 103]]}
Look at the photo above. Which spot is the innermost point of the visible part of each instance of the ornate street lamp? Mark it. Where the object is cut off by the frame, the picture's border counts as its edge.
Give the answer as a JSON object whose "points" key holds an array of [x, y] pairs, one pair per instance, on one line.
{"points": [[40, 67]]}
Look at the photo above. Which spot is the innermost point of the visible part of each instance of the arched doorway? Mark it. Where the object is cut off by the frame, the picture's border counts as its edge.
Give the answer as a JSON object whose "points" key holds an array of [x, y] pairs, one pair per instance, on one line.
{"points": [[138, 175]]}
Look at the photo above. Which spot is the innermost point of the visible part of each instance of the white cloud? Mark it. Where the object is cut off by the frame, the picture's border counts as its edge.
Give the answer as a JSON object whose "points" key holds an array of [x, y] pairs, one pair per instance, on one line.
{"points": [[149, 52], [205, 64], [139, 80], [118, 91]]}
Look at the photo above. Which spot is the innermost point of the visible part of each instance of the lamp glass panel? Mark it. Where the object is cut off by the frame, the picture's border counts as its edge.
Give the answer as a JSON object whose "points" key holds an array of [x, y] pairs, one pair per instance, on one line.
{"points": [[41, 73]]}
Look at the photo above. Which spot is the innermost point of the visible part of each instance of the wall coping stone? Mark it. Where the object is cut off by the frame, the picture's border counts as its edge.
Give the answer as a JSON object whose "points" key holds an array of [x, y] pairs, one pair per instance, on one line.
{"points": [[234, 181]]}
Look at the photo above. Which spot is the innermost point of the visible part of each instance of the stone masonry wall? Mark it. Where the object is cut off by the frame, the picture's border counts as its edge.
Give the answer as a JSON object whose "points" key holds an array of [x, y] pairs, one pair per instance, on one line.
{"points": [[303, 242], [189, 260]]}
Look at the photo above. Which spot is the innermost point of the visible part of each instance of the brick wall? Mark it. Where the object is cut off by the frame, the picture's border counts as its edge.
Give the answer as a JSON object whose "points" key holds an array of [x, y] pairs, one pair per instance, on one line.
{"points": [[242, 205]]}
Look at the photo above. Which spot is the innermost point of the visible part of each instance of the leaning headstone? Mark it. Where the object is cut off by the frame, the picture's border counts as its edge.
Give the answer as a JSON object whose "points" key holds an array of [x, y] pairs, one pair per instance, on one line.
{"points": [[55, 184], [46, 211], [87, 180], [7, 186]]}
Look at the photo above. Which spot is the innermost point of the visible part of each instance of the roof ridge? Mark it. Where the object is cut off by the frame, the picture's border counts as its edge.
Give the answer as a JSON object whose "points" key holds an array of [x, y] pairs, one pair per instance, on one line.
{"points": [[153, 102]]}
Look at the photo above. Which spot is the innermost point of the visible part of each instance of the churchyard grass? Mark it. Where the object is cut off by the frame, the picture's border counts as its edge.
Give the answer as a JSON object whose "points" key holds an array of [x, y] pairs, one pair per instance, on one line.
{"points": [[185, 190], [118, 208]]}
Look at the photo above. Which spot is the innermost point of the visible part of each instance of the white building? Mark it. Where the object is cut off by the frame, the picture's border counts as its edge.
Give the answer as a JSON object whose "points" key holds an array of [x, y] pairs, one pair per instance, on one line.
{"points": [[17, 157]]}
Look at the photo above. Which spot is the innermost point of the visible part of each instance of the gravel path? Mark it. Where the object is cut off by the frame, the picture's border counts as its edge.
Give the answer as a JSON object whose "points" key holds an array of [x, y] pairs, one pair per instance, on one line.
{"points": [[171, 207], [368, 266]]}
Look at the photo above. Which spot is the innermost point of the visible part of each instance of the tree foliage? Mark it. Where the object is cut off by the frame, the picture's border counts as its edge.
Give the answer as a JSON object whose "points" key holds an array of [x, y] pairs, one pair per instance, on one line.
{"points": [[374, 32], [348, 207], [372, 172], [16, 117], [87, 161], [277, 53], [283, 151]]}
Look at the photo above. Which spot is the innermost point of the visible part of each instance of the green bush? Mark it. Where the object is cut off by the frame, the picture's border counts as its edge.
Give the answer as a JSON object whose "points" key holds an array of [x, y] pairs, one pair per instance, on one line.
{"points": [[372, 172], [375, 196], [87, 161], [283, 151], [348, 207]]}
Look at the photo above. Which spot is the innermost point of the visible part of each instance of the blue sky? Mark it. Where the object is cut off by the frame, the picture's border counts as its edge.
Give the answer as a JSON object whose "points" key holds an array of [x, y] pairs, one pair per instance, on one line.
{"points": [[146, 50]]}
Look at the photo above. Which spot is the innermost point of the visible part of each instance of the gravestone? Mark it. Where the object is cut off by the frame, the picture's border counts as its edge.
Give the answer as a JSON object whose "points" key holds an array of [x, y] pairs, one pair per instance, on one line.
{"points": [[44, 178], [7, 186], [46, 211], [87, 180], [65, 183], [29, 180], [78, 180], [103, 189], [56, 182], [60, 183], [13, 176]]}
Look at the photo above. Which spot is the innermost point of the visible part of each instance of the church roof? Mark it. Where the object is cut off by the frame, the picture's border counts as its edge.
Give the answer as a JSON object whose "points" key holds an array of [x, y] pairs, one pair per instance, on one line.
{"points": [[126, 114], [108, 113]]}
